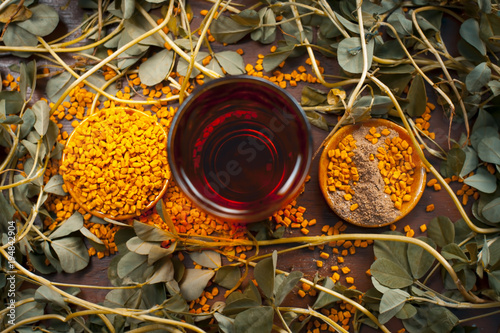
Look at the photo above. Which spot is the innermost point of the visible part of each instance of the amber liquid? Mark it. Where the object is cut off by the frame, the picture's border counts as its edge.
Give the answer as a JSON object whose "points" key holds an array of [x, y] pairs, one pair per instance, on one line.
{"points": [[243, 159]]}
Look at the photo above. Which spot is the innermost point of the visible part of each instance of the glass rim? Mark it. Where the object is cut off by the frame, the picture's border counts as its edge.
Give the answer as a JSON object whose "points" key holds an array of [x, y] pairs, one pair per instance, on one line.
{"points": [[205, 203]]}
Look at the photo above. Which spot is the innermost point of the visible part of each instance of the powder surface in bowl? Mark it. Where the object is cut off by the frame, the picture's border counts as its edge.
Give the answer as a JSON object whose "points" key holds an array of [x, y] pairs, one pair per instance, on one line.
{"points": [[115, 162]]}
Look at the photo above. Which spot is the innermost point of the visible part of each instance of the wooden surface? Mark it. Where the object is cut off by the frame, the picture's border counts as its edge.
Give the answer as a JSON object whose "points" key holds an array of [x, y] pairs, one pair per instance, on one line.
{"points": [[312, 199]]}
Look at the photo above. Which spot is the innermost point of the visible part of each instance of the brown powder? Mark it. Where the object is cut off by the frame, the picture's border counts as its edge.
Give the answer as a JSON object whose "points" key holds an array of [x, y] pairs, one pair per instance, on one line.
{"points": [[375, 206]]}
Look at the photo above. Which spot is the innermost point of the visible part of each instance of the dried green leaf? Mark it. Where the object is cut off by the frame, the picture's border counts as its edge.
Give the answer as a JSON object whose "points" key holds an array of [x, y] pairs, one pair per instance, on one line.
{"points": [[482, 180], [54, 185], [478, 78], [419, 259], [226, 324], [164, 271], [312, 97], [6, 213], [123, 298], [14, 102], [42, 114], [453, 251], [209, 259], [494, 86], [227, 30], [158, 252], [469, 30], [151, 233], [156, 68], [285, 286], [398, 20], [494, 281], [227, 276], [50, 137], [28, 123], [29, 310], [265, 34], [248, 17], [45, 294], [17, 36], [324, 299], [488, 149], [194, 282], [72, 253], [441, 230], [406, 312], [72, 224], [264, 273], [182, 66], [137, 245], [272, 60], [391, 303], [417, 97], [471, 161], [27, 78], [350, 55], [43, 21], [390, 274], [96, 241], [317, 120], [258, 319], [57, 85], [441, 319], [231, 61], [430, 20], [491, 211], [394, 251], [454, 162]]}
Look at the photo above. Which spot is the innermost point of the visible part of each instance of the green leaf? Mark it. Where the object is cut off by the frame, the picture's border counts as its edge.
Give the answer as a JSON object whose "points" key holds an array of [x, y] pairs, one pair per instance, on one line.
{"points": [[226, 324], [90, 236], [264, 273], [13, 102], [471, 161], [454, 162], [209, 259], [132, 266], [6, 213], [312, 97], [29, 310], [494, 86], [441, 319], [390, 274], [469, 30], [417, 97], [265, 34], [406, 312], [151, 233], [182, 66], [325, 299], [394, 251], [478, 78], [194, 282], [258, 319], [399, 21], [393, 300], [488, 149], [227, 30], [17, 36], [28, 123], [54, 185], [286, 286], [430, 20], [27, 77], [247, 17], [494, 281], [231, 61], [482, 180], [158, 252], [317, 120], [72, 253], [43, 21], [156, 68], [72, 224], [46, 295], [272, 60], [42, 114], [441, 230], [453, 251], [57, 85], [227, 276], [164, 271], [491, 211], [137, 245], [350, 55], [419, 259]]}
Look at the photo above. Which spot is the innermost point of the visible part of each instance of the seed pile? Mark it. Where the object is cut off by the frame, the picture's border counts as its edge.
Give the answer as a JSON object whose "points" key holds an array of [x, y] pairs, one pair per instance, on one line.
{"points": [[397, 167], [116, 162]]}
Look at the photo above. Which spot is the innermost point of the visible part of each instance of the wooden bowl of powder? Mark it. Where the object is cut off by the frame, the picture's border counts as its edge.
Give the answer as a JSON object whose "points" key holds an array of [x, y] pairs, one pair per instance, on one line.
{"points": [[370, 173]]}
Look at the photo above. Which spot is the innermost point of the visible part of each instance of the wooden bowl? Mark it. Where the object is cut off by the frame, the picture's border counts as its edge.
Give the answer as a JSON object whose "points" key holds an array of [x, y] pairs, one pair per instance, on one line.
{"points": [[70, 186], [419, 175]]}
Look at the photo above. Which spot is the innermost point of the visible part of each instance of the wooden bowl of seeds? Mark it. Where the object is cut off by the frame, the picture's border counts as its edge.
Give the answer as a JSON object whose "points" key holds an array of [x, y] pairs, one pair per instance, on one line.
{"points": [[370, 173], [115, 163]]}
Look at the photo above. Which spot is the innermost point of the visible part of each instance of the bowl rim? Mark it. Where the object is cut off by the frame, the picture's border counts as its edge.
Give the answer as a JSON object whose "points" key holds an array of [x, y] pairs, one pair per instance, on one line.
{"points": [[204, 203], [99, 214], [348, 129]]}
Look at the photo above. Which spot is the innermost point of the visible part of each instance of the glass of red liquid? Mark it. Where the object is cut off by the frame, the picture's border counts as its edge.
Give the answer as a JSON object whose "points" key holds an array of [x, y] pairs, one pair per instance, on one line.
{"points": [[240, 148]]}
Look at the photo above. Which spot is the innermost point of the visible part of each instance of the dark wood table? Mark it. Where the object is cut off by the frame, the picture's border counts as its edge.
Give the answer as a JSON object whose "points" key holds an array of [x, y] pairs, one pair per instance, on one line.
{"points": [[312, 199]]}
